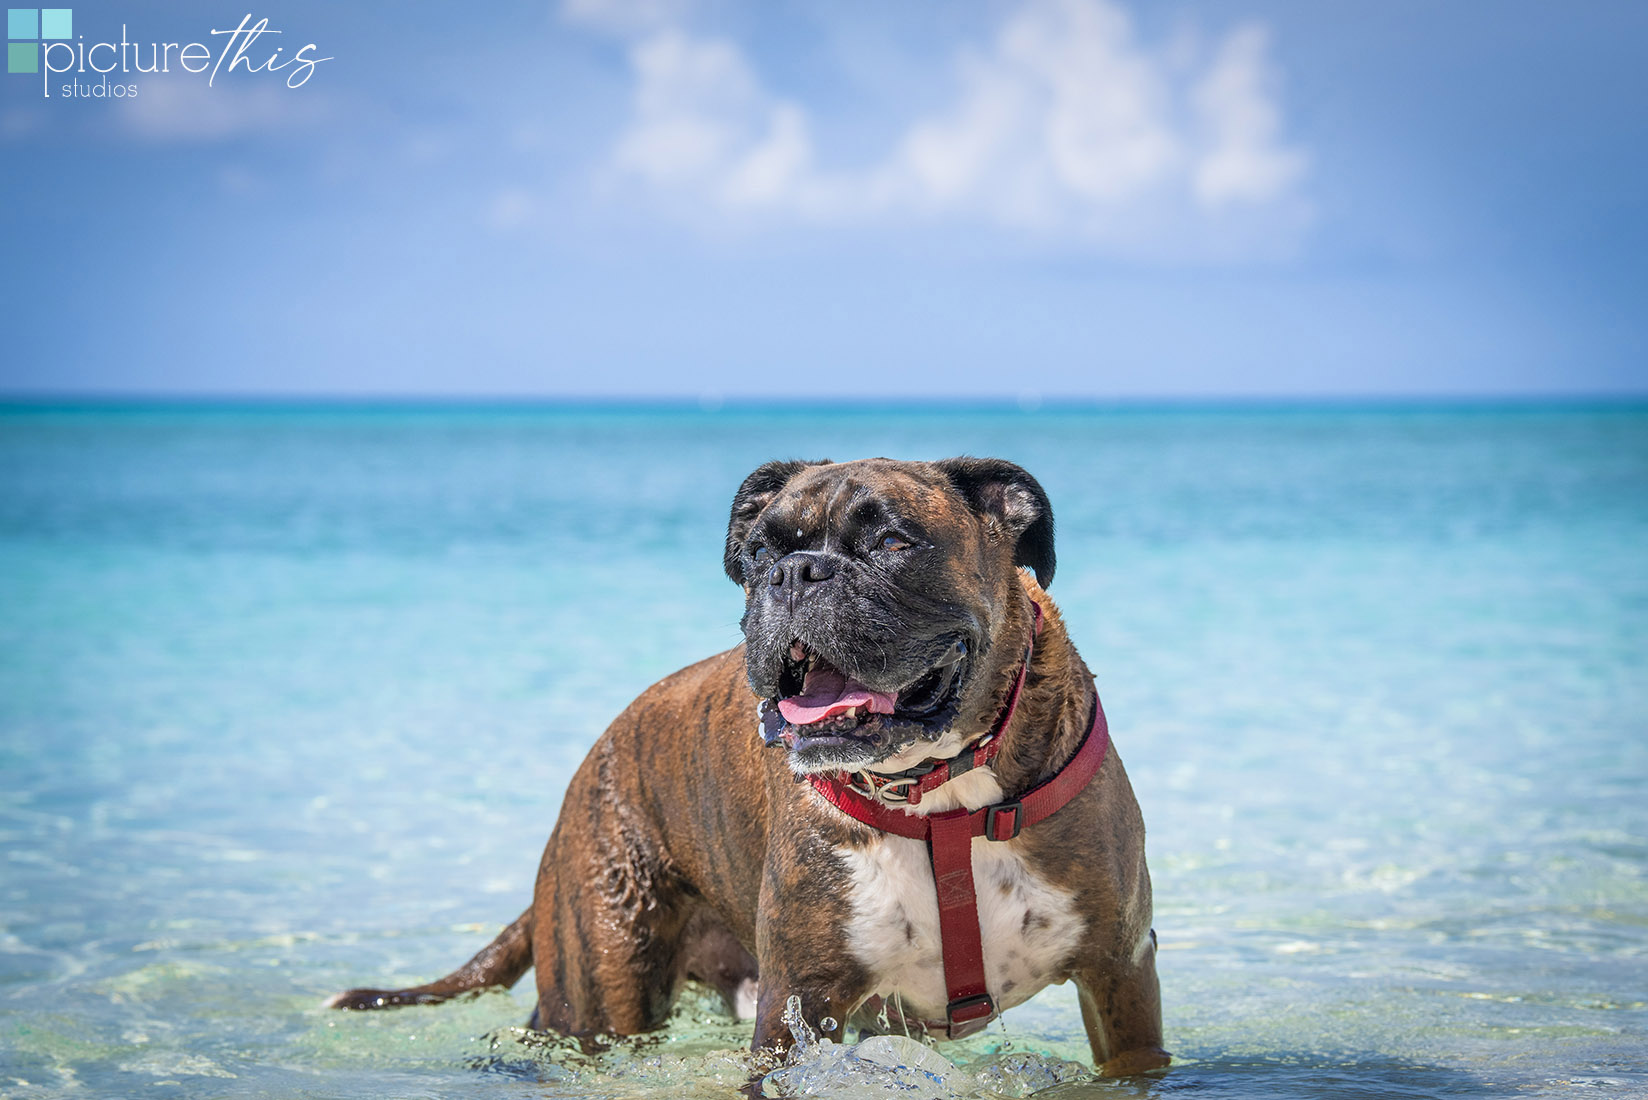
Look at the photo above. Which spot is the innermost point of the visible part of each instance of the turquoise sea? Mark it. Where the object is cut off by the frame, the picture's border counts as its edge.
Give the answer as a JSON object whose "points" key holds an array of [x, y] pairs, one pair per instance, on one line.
{"points": [[288, 697]]}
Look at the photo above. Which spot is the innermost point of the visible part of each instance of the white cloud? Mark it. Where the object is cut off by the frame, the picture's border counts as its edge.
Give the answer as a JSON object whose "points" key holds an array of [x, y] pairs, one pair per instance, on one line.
{"points": [[187, 109], [698, 109], [20, 122], [624, 16], [703, 125], [1062, 122], [509, 209], [1243, 160]]}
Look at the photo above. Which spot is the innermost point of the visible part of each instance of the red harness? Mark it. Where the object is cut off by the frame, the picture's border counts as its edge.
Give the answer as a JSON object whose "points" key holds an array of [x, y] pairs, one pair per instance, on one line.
{"points": [[949, 838]]}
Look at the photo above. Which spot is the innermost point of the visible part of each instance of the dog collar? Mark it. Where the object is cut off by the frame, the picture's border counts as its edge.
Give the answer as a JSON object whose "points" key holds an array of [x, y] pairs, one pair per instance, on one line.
{"points": [[949, 838], [908, 786]]}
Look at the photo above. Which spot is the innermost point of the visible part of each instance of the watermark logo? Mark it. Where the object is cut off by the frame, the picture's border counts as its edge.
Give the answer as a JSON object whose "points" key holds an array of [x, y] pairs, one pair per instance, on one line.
{"points": [[42, 42], [25, 27]]}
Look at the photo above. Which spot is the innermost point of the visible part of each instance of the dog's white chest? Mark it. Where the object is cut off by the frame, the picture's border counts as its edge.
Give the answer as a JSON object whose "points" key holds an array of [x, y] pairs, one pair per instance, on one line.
{"points": [[1029, 927]]}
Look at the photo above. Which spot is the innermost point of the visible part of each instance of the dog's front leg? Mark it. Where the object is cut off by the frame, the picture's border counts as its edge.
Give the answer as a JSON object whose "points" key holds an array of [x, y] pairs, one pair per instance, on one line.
{"points": [[801, 952], [1121, 1005], [818, 1007]]}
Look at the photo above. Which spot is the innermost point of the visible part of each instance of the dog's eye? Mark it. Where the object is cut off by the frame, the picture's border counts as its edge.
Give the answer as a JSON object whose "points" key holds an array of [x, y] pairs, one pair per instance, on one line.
{"points": [[761, 554], [894, 542]]}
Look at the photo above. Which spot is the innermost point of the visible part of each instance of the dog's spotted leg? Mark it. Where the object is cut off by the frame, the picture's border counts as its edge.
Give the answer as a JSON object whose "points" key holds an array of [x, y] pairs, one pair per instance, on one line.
{"points": [[1121, 1005], [819, 1007], [802, 954]]}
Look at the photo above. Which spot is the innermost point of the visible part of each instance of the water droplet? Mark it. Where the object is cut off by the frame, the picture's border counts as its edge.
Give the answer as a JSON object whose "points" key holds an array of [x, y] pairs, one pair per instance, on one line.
{"points": [[827, 1024], [805, 1038]]}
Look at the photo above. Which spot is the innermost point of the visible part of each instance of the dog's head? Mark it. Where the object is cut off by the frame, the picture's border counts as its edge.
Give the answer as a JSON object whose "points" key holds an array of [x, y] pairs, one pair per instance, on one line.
{"points": [[875, 594]]}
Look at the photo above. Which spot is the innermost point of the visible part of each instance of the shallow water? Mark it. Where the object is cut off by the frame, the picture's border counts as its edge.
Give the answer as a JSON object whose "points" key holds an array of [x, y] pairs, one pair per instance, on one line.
{"points": [[288, 698]]}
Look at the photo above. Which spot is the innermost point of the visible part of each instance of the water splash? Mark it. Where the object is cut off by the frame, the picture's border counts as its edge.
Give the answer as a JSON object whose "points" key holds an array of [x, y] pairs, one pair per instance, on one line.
{"points": [[806, 1039], [896, 1065], [701, 1052]]}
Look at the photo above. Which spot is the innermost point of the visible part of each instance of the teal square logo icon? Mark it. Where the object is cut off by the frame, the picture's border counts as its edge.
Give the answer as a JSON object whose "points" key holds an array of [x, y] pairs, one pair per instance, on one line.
{"points": [[26, 26]]}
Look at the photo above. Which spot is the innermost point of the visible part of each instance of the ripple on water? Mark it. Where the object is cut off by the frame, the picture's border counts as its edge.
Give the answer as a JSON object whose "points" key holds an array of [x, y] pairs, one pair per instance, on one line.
{"points": [[1377, 680]]}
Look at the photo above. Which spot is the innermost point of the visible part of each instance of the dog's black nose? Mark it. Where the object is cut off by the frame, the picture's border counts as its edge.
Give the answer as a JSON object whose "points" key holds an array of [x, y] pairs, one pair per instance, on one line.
{"points": [[795, 572]]}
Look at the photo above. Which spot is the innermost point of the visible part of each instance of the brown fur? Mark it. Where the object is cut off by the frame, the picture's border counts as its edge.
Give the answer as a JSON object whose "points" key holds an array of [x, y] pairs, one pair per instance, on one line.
{"points": [[686, 849]]}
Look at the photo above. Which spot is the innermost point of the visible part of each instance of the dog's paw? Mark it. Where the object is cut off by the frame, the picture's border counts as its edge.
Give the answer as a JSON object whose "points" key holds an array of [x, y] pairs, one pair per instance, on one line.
{"points": [[1142, 1060]]}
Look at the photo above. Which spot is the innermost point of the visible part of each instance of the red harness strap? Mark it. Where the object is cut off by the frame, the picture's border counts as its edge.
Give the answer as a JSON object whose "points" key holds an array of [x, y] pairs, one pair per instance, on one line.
{"points": [[949, 838]]}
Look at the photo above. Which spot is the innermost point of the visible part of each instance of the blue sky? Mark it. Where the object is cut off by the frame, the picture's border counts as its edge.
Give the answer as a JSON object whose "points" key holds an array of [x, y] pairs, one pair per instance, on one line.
{"points": [[842, 201]]}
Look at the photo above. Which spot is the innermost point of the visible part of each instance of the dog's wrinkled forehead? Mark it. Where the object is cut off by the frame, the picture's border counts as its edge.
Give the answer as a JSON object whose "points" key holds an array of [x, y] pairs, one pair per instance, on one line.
{"points": [[842, 499], [796, 504]]}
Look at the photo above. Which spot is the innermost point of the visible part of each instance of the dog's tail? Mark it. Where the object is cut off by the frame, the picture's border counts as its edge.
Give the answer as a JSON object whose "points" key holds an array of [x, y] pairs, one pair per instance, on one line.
{"points": [[499, 964]]}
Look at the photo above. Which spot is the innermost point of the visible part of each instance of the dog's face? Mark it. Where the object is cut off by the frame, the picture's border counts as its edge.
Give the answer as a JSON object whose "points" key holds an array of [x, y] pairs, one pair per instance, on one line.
{"points": [[875, 592]]}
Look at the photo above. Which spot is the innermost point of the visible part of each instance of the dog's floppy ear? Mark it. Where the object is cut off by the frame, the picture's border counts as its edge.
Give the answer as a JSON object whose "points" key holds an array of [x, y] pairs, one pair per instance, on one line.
{"points": [[999, 490], [755, 494]]}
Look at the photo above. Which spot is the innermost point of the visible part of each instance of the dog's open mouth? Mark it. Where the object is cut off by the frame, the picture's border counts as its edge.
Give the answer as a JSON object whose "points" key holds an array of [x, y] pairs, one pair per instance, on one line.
{"points": [[821, 710]]}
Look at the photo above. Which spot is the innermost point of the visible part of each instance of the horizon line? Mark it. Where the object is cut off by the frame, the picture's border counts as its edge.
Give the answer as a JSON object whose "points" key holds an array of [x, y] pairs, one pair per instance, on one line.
{"points": [[712, 404]]}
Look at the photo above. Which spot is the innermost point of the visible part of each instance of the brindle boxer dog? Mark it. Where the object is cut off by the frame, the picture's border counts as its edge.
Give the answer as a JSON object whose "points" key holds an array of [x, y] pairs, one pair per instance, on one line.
{"points": [[886, 620]]}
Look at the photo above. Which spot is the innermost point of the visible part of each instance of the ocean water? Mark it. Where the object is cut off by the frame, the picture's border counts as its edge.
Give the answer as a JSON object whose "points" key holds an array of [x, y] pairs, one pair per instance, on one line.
{"points": [[288, 699]]}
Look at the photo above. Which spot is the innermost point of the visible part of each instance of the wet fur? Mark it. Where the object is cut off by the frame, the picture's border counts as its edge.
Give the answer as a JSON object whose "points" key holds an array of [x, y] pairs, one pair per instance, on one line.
{"points": [[685, 849]]}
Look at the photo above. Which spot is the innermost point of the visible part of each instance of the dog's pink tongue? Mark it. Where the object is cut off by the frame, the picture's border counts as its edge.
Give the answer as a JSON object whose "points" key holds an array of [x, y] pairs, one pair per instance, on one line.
{"points": [[827, 692]]}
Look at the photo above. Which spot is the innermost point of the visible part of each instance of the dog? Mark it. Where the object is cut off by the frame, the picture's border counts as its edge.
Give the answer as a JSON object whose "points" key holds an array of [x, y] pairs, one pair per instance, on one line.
{"points": [[896, 800]]}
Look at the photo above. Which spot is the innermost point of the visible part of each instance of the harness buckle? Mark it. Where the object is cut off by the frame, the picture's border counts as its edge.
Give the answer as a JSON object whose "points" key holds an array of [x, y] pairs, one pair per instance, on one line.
{"points": [[992, 818], [895, 792], [967, 1010]]}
